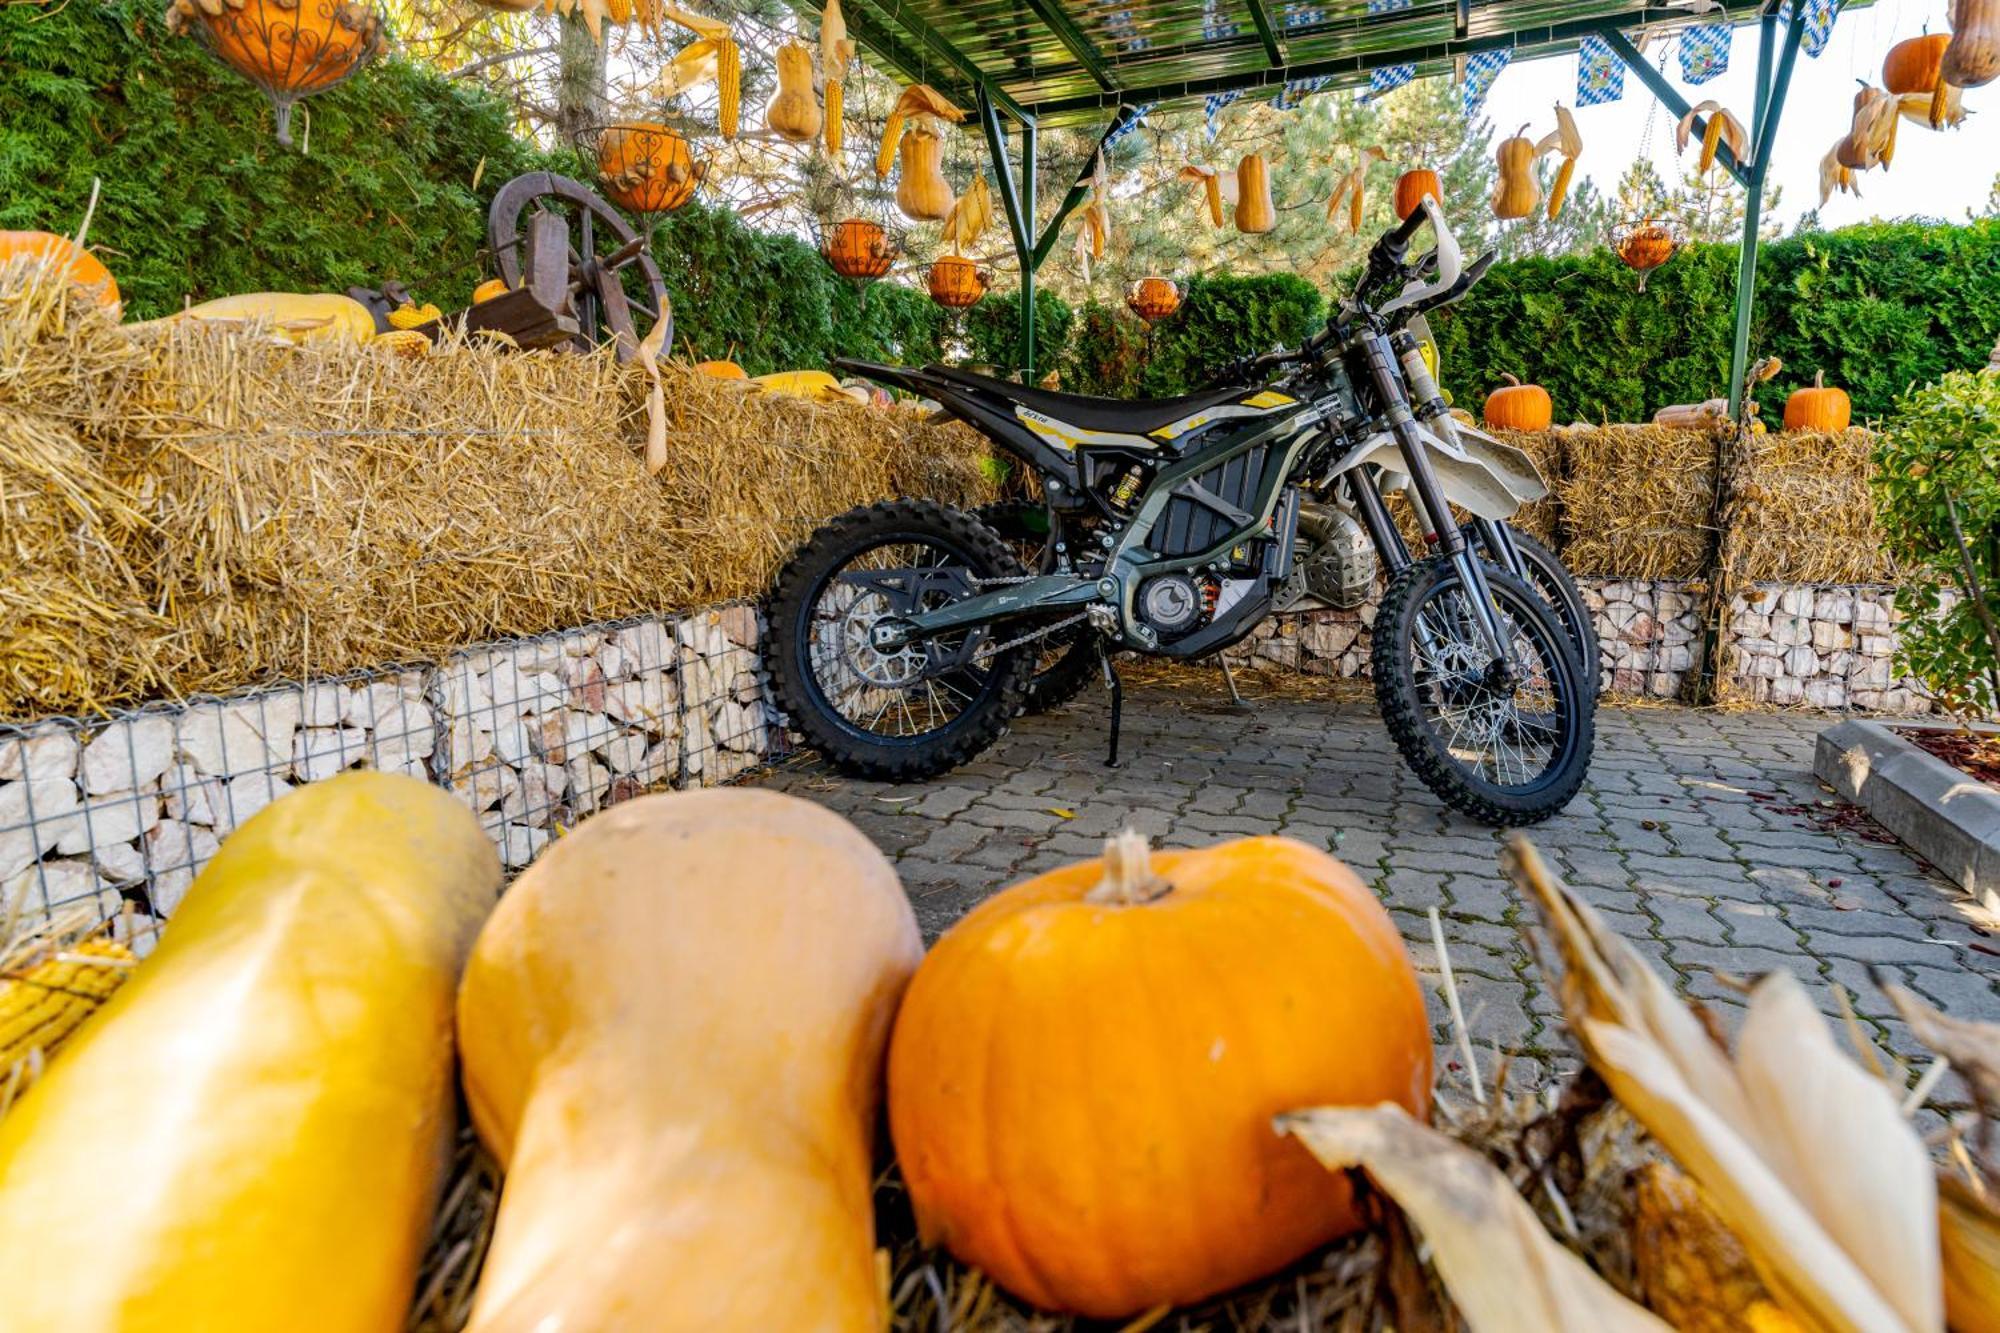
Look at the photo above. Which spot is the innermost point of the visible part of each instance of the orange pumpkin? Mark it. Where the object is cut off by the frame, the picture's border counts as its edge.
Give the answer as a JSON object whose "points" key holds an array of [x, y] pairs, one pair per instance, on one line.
{"points": [[1818, 408], [85, 270], [722, 370], [860, 249], [1519, 406], [1153, 299], [955, 282], [489, 289], [289, 48], [1912, 65], [1412, 186], [646, 167], [1085, 1068]]}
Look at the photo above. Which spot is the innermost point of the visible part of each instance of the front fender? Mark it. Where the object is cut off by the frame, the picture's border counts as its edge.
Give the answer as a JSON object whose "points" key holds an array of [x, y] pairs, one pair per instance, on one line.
{"points": [[1487, 478]]}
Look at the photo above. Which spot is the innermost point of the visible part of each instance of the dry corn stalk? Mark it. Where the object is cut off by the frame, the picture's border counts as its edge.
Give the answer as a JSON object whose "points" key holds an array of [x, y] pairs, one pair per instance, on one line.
{"points": [[836, 51], [921, 107], [1350, 189], [1871, 139], [970, 216], [1095, 229], [1801, 1152], [1835, 175], [1567, 140], [1218, 188], [1722, 127], [1505, 1273]]}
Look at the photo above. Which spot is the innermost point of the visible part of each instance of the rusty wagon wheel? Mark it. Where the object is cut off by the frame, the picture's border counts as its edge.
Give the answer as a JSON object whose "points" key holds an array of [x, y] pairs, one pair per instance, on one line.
{"points": [[545, 231]]}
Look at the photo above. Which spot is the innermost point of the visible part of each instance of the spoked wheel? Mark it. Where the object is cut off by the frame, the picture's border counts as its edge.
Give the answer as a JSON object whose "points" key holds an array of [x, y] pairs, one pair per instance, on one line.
{"points": [[1505, 746], [560, 238], [905, 710], [1066, 659], [1557, 586]]}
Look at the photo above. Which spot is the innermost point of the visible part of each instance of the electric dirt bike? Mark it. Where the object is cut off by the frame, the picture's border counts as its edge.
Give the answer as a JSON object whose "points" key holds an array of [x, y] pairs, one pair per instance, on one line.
{"points": [[905, 636]]}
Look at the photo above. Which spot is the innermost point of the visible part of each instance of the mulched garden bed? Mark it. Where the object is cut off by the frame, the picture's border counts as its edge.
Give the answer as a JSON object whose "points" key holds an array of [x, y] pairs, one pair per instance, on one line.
{"points": [[1974, 754]]}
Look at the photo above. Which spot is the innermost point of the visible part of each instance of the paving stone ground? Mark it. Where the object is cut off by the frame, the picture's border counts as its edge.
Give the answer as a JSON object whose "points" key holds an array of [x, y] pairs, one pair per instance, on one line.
{"points": [[1701, 835]]}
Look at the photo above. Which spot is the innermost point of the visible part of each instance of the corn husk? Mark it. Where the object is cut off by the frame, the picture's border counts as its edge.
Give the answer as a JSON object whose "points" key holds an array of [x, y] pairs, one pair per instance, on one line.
{"points": [[1801, 1152], [692, 66], [1871, 137], [1969, 1246], [970, 215], [1505, 1273], [836, 52], [1722, 126], [1836, 176], [1351, 189], [1972, 1048], [1218, 188]]}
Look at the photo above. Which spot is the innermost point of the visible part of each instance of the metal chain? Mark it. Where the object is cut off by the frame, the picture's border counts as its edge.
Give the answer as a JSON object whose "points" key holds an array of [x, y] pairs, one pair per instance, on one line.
{"points": [[993, 650]]}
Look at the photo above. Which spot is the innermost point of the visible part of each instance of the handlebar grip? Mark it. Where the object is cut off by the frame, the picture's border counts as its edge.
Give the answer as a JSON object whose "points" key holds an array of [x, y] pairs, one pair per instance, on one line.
{"points": [[1408, 227]]}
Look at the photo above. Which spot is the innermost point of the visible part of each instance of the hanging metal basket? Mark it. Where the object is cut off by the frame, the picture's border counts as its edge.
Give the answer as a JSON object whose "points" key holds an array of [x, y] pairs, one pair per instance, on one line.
{"points": [[288, 48], [1646, 243]]}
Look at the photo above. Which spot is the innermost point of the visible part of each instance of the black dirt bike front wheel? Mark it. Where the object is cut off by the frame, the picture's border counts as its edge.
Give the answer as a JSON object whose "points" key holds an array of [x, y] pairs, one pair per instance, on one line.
{"points": [[903, 713], [1547, 576], [1065, 661], [1505, 747]]}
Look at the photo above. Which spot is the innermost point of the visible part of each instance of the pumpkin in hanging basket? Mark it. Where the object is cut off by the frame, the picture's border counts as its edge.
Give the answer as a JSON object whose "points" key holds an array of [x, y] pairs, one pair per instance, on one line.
{"points": [[1085, 1068], [86, 271], [646, 167], [1818, 408], [1412, 186], [1153, 299], [860, 249], [1519, 406], [955, 282], [288, 48]]}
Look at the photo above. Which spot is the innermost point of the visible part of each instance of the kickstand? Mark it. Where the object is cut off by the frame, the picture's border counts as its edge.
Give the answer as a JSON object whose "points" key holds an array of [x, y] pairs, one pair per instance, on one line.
{"points": [[1117, 702], [1236, 699]]}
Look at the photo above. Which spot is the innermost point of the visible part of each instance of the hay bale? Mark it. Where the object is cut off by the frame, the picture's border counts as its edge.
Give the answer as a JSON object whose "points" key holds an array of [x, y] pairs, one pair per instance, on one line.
{"points": [[1636, 501], [1807, 512], [199, 510]]}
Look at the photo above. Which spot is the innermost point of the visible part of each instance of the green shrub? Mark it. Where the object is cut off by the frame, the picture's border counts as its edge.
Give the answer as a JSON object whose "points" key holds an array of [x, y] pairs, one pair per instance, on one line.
{"points": [[1937, 480]]}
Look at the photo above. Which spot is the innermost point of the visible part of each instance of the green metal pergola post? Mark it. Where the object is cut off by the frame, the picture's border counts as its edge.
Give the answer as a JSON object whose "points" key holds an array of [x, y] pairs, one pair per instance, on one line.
{"points": [[1764, 136]]}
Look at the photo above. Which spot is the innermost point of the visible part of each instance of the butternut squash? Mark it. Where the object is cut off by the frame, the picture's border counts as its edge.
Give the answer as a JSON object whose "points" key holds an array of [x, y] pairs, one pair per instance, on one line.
{"points": [[922, 193], [251, 1133], [1254, 213], [793, 114], [297, 317], [673, 1031], [1973, 58], [1518, 192]]}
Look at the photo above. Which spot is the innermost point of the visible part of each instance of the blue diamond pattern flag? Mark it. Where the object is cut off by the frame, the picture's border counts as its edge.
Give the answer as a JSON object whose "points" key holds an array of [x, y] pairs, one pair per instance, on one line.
{"points": [[1600, 75], [1481, 69], [1704, 51], [1307, 18], [1387, 6], [1296, 91], [1389, 78], [1819, 17], [1216, 26], [1213, 105], [1138, 118]]}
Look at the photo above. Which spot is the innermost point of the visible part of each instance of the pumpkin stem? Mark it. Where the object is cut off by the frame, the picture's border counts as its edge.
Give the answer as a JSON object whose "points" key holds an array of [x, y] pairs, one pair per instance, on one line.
{"points": [[1128, 872], [1511, 379], [1819, 379]]}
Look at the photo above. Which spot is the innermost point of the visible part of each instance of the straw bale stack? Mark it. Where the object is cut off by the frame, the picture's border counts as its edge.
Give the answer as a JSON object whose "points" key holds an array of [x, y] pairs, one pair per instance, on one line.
{"points": [[1636, 501], [188, 510], [1807, 514]]}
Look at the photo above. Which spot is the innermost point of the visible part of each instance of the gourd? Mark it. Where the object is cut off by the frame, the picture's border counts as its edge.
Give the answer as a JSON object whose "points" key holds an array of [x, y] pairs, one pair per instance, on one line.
{"points": [[1518, 192], [489, 289], [647, 167], [672, 1032], [1519, 406], [793, 114], [1254, 213], [1818, 408], [722, 370], [1084, 1071], [922, 193], [814, 384], [1412, 186], [1973, 57], [1915, 66], [250, 1135], [86, 271], [297, 317]]}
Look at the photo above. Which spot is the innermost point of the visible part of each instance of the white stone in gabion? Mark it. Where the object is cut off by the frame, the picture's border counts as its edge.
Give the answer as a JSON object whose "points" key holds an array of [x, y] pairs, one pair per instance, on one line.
{"points": [[1825, 693], [118, 816], [486, 787], [741, 726], [48, 753], [1330, 638], [699, 741], [245, 795], [1796, 601], [1866, 700], [1663, 684], [59, 884], [519, 844], [323, 703], [739, 623], [1830, 637], [189, 795], [534, 657], [661, 764], [20, 841], [129, 753], [178, 852], [1674, 603], [1801, 662], [1789, 631], [585, 683], [726, 764], [405, 737], [1677, 657], [540, 790], [1878, 645], [320, 752], [465, 692], [581, 644], [1764, 601], [512, 742], [613, 661], [588, 781], [1766, 668], [1747, 624], [1902, 701], [1871, 674], [650, 701], [242, 735], [1785, 691], [625, 753], [1834, 604], [470, 744], [516, 692], [1872, 615], [386, 705], [648, 646], [120, 862], [1836, 664]]}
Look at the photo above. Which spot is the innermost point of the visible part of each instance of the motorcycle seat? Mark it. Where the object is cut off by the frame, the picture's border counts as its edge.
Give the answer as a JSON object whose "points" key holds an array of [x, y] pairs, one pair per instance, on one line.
{"points": [[1130, 416]]}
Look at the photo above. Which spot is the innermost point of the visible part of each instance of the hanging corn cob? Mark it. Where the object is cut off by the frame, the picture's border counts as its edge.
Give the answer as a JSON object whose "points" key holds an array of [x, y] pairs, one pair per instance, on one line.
{"points": [[1218, 187], [1722, 127], [1871, 139], [921, 109], [970, 216], [712, 55], [1351, 189], [1567, 140], [835, 52], [1095, 231], [44, 1003]]}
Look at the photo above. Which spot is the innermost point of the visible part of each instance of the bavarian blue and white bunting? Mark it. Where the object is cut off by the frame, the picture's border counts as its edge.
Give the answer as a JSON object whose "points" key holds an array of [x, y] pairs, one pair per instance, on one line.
{"points": [[1216, 25], [1481, 69], [1311, 18], [1296, 91], [1387, 6], [1138, 119], [1212, 105], [1819, 17], [1704, 51], [1600, 74], [1389, 78]]}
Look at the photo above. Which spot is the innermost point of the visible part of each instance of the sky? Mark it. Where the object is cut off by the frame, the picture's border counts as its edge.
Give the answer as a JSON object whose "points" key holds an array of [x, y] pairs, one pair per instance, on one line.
{"points": [[1939, 175]]}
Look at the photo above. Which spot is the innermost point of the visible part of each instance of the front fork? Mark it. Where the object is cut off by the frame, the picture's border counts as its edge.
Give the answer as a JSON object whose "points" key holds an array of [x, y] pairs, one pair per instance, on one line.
{"points": [[1381, 355]]}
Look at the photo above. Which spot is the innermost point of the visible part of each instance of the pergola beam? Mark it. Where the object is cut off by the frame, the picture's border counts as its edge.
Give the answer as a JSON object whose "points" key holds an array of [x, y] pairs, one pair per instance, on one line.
{"points": [[1266, 34], [1770, 106], [1670, 97], [1074, 41], [929, 38]]}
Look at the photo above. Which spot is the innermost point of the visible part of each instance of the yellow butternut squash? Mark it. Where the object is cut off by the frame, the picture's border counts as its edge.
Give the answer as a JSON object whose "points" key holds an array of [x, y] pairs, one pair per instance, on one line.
{"points": [[1254, 213], [922, 193], [1972, 59], [297, 317], [1518, 193], [793, 114], [673, 1031], [251, 1133]]}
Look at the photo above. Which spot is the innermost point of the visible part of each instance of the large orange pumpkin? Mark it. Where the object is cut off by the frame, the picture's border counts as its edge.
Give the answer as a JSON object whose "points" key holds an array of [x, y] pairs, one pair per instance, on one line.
{"points": [[1818, 408], [1912, 65], [1412, 186], [85, 270], [1519, 406], [956, 282], [646, 167], [1085, 1068], [289, 48]]}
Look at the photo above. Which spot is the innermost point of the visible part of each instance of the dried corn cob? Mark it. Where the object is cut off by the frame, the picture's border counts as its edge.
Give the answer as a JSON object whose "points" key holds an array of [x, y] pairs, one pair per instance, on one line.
{"points": [[729, 85], [833, 113], [892, 137], [51, 999]]}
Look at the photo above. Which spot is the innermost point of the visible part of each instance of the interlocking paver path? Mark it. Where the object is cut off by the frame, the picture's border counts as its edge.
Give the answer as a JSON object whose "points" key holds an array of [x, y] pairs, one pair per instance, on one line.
{"points": [[1702, 836]]}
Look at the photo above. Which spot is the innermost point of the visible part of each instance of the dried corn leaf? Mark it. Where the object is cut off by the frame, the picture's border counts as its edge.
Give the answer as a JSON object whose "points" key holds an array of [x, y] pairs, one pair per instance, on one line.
{"points": [[1565, 138], [1969, 1242], [699, 24], [1505, 1273], [692, 66], [1972, 1048], [1722, 127], [922, 101]]}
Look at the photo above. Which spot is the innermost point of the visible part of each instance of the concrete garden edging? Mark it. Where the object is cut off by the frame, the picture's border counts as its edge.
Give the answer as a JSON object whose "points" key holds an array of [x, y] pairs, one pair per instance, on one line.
{"points": [[1947, 817]]}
